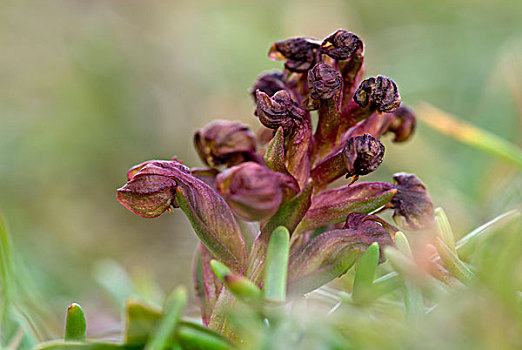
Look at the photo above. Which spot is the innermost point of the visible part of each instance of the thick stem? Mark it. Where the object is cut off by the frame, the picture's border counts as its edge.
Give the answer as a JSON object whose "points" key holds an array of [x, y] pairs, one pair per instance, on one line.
{"points": [[352, 73], [328, 170], [327, 127], [351, 115]]}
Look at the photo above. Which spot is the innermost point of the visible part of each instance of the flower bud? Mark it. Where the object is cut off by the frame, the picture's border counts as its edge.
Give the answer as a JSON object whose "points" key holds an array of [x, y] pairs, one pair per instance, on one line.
{"points": [[223, 142], [269, 83], [324, 82], [413, 209], [150, 190], [300, 53], [253, 191], [156, 185], [278, 110], [342, 45], [380, 93], [402, 124], [362, 154]]}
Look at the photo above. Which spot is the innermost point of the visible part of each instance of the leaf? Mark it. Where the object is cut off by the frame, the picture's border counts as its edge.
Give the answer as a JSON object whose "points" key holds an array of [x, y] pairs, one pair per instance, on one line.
{"points": [[75, 323], [214, 223], [276, 265], [240, 286], [444, 229], [173, 309], [332, 253], [365, 273], [140, 322], [333, 206], [452, 263], [206, 285]]}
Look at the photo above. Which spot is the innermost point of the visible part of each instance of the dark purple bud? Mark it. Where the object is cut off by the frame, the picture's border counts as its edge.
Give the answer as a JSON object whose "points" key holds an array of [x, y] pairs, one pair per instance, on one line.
{"points": [[342, 45], [154, 186], [402, 124], [278, 110], [253, 191], [362, 154], [332, 253], [413, 208], [269, 83], [223, 142], [324, 82], [300, 53], [378, 93]]}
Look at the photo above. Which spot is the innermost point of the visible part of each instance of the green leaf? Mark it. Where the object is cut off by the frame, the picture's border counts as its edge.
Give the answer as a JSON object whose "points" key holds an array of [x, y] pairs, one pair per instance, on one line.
{"points": [[75, 323], [276, 265], [444, 229], [452, 263], [173, 310], [201, 338], [365, 273], [140, 322], [240, 286]]}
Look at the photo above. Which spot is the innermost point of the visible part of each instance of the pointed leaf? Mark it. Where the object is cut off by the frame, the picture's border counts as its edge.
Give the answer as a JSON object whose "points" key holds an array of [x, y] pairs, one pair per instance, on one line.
{"points": [[240, 286], [332, 253], [333, 206]]}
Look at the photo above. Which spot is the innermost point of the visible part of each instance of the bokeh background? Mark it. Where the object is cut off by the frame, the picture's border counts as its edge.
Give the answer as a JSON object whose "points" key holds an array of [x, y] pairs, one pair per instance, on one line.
{"points": [[90, 88]]}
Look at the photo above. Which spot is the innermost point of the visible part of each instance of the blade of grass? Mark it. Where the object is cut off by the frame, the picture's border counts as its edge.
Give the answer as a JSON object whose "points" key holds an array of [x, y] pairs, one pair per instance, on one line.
{"points": [[471, 135], [365, 274], [276, 265], [467, 243], [173, 310], [5, 272]]}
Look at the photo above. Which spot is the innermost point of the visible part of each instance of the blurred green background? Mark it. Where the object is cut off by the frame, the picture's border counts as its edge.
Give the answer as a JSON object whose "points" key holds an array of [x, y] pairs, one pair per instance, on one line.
{"points": [[90, 88]]}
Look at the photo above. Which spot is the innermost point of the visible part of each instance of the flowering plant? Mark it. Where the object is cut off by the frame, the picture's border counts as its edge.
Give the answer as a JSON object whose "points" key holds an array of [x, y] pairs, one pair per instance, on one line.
{"points": [[280, 176]]}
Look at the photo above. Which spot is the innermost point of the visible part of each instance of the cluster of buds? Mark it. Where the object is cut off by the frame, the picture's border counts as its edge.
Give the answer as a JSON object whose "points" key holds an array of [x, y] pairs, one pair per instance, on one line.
{"points": [[283, 174]]}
